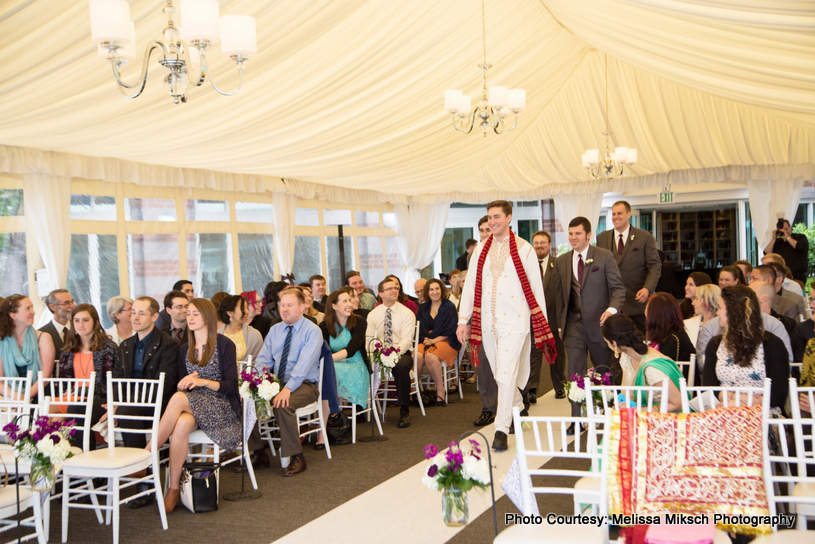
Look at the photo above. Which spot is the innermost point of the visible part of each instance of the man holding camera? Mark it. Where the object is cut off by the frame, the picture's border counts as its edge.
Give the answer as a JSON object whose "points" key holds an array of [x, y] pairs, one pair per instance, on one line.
{"points": [[794, 248]]}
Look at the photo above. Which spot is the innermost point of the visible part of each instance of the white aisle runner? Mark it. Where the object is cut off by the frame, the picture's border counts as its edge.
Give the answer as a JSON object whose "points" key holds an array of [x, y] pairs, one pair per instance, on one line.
{"points": [[372, 517]]}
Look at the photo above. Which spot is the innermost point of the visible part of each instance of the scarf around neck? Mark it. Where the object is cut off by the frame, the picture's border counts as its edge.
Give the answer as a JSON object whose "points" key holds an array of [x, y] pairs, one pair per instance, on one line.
{"points": [[14, 357], [542, 334]]}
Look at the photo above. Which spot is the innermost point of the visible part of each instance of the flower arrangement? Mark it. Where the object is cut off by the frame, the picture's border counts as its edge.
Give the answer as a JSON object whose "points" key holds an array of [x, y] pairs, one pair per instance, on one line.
{"points": [[386, 357], [576, 387], [260, 386], [460, 466], [44, 445]]}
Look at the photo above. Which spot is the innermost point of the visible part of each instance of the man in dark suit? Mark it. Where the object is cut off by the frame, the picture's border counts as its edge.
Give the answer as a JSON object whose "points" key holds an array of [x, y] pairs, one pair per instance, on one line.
{"points": [[464, 259], [186, 287], [175, 305], [145, 355], [636, 255], [542, 243], [61, 304], [318, 293], [590, 291]]}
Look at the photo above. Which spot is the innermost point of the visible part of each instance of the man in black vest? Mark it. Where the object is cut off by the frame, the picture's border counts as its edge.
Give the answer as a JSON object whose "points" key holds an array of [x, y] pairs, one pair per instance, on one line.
{"points": [[146, 354], [61, 304]]}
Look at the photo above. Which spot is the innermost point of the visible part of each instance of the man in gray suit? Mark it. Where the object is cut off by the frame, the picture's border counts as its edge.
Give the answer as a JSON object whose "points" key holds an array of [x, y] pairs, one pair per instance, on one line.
{"points": [[636, 255], [590, 291]]}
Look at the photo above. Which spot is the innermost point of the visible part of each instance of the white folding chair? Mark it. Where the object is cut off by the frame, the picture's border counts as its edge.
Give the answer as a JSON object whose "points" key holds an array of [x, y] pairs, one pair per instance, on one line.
{"points": [[707, 397], [691, 366], [448, 376], [15, 390], [389, 386], [118, 463], [370, 409], [550, 441], [643, 397], [8, 512]]}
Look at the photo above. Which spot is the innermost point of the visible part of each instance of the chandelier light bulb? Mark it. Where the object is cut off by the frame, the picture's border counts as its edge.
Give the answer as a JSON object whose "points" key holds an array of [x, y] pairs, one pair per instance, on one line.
{"points": [[466, 105], [498, 96], [452, 100], [201, 20], [632, 156], [516, 99], [621, 154], [110, 21], [238, 35]]}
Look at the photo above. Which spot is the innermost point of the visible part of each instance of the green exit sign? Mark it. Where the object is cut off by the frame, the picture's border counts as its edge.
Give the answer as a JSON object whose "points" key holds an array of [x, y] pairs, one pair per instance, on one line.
{"points": [[666, 197]]}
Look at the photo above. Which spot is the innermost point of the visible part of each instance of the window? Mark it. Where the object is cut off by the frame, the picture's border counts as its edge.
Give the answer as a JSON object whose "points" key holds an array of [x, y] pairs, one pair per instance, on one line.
{"points": [[528, 227], [528, 204], [371, 259], [209, 263], [333, 256], [647, 220], [333, 218], [307, 217], [427, 272], [753, 255], [396, 265], [307, 257], [367, 219], [11, 202], [13, 266], [254, 212], [206, 210], [256, 254], [601, 225], [93, 272], [390, 220], [150, 209], [93, 208], [152, 264], [800, 215], [453, 246]]}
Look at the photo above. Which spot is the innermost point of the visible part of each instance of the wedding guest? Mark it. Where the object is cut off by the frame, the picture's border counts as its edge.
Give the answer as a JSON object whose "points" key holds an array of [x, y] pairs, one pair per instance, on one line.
{"points": [[403, 299], [247, 340], [804, 332], [463, 260], [366, 300], [21, 347], [438, 344], [61, 304], [184, 286], [694, 280], [644, 365], [253, 313], [731, 275], [175, 305], [418, 288], [664, 329], [270, 299], [455, 290], [354, 296], [705, 306], [118, 310], [789, 284], [310, 309], [746, 353], [345, 334], [207, 396], [87, 349], [783, 304], [765, 293], [292, 350], [216, 300], [746, 268], [318, 291]]}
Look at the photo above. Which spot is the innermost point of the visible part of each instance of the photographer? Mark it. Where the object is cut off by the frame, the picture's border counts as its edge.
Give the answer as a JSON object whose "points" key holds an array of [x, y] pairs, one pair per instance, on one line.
{"points": [[792, 247]]}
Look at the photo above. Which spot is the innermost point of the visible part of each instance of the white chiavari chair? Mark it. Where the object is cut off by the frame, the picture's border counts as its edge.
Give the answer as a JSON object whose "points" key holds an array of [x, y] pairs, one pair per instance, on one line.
{"points": [[387, 387]]}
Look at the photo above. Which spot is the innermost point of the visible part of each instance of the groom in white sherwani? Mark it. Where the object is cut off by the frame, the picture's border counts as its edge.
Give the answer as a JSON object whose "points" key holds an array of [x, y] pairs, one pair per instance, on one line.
{"points": [[503, 291]]}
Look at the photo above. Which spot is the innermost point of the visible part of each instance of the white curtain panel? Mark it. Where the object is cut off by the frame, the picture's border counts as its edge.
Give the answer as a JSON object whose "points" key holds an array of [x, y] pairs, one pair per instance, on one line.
{"points": [[586, 205], [285, 206], [769, 200], [419, 230]]}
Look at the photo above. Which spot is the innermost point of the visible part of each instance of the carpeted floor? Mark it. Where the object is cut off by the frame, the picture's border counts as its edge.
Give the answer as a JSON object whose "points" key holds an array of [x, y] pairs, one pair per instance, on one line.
{"points": [[289, 503]]}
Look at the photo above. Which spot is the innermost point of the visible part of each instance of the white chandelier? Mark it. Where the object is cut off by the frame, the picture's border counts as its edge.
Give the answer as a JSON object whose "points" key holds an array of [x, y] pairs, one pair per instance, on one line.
{"points": [[613, 164], [496, 104], [112, 29]]}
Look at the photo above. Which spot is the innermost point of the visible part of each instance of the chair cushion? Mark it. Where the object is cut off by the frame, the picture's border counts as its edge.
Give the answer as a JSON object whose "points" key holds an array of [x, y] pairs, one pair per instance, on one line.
{"points": [[199, 437], [8, 495], [552, 534], [108, 459]]}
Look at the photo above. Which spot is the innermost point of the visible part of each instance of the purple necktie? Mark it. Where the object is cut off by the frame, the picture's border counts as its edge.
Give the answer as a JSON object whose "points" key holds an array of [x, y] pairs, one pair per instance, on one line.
{"points": [[580, 266], [620, 245]]}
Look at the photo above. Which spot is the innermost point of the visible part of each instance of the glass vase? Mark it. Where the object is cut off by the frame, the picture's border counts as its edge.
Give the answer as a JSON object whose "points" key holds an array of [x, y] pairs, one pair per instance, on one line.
{"points": [[263, 410], [42, 476], [455, 506]]}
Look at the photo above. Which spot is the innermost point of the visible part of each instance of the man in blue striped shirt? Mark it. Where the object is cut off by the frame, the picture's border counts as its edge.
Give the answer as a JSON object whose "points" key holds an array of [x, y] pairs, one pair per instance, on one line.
{"points": [[292, 348]]}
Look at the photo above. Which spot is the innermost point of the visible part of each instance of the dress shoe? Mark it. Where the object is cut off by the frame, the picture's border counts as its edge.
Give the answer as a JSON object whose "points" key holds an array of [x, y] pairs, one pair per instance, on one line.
{"points": [[171, 499], [296, 466], [533, 396], [570, 430], [259, 460], [484, 419], [525, 411], [404, 420], [142, 501], [319, 447], [560, 394], [499, 443]]}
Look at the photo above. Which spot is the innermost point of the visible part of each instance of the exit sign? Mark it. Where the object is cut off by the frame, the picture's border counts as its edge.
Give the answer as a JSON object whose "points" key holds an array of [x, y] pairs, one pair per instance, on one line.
{"points": [[666, 197]]}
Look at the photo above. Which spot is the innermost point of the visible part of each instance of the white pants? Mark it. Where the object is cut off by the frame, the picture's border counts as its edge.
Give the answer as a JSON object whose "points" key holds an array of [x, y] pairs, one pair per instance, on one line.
{"points": [[510, 354]]}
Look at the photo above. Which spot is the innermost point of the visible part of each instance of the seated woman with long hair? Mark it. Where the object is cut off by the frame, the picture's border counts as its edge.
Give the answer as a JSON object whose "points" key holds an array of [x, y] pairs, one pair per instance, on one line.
{"points": [[695, 279], [645, 365], [664, 328], [731, 275], [310, 309], [746, 354], [207, 394], [438, 343], [233, 312], [254, 308], [88, 348], [22, 348]]}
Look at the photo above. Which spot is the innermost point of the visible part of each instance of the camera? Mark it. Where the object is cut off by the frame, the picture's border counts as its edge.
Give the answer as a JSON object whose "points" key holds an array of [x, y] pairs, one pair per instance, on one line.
{"points": [[779, 227]]}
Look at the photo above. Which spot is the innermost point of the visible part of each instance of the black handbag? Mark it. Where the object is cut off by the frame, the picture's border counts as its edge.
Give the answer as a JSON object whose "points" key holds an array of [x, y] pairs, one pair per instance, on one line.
{"points": [[199, 487], [338, 429]]}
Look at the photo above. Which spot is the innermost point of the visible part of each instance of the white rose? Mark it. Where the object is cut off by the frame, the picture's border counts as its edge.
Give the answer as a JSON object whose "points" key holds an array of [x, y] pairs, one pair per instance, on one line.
{"points": [[60, 452], [440, 461], [431, 483], [476, 470], [265, 390], [46, 446], [244, 391], [275, 389], [576, 394]]}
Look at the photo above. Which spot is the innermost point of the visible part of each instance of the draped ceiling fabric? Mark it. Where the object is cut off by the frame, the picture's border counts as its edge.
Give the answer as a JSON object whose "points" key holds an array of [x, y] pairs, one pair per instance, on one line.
{"points": [[344, 100], [419, 230]]}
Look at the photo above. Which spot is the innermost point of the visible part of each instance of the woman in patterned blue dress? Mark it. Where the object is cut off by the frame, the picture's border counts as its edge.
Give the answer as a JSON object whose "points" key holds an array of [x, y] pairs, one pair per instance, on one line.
{"points": [[207, 396]]}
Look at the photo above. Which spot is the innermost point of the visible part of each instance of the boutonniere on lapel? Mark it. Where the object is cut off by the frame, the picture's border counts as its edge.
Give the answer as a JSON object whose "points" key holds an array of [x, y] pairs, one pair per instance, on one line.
{"points": [[632, 236], [589, 261]]}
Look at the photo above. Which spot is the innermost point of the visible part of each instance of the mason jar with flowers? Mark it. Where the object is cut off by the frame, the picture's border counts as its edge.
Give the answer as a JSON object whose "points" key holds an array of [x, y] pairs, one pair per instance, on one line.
{"points": [[260, 386], [455, 472], [44, 446]]}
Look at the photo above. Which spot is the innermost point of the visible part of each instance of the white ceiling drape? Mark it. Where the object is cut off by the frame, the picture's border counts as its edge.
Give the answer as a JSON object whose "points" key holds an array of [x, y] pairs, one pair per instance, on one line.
{"points": [[346, 98]]}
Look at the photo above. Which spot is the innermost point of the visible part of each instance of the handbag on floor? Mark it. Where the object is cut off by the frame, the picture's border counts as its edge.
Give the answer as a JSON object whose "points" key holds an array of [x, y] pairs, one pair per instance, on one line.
{"points": [[338, 429], [199, 487]]}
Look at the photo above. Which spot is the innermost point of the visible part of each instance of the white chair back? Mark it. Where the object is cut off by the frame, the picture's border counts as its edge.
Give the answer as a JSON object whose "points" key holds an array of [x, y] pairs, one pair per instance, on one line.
{"points": [[8, 412], [16, 390], [135, 393], [691, 366], [643, 397], [416, 332], [707, 397], [70, 392], [551, 440]]}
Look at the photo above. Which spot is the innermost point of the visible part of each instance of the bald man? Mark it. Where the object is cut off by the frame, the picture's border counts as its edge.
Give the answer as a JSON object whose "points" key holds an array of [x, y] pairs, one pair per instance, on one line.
{"points": [[766, 296], [418, 288]]}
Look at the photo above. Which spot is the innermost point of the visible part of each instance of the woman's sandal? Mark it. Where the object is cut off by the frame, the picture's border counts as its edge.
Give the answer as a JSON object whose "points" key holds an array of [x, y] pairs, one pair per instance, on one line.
{"points": [[442, 402]]}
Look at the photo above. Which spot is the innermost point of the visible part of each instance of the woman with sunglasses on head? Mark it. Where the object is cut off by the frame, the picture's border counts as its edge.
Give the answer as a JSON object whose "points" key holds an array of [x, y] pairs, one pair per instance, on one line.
{"points": [[22, 348]]}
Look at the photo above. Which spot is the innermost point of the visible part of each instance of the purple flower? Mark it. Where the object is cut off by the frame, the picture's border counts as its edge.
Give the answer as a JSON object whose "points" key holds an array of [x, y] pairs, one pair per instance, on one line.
{"points": [[432, 470], [607, 378], [476, 448], [430, 451], [454, 458]]}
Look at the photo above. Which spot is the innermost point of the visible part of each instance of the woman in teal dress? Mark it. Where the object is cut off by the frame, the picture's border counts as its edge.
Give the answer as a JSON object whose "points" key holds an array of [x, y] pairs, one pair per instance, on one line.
{"points": [[345, 334], [646, 366]]}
